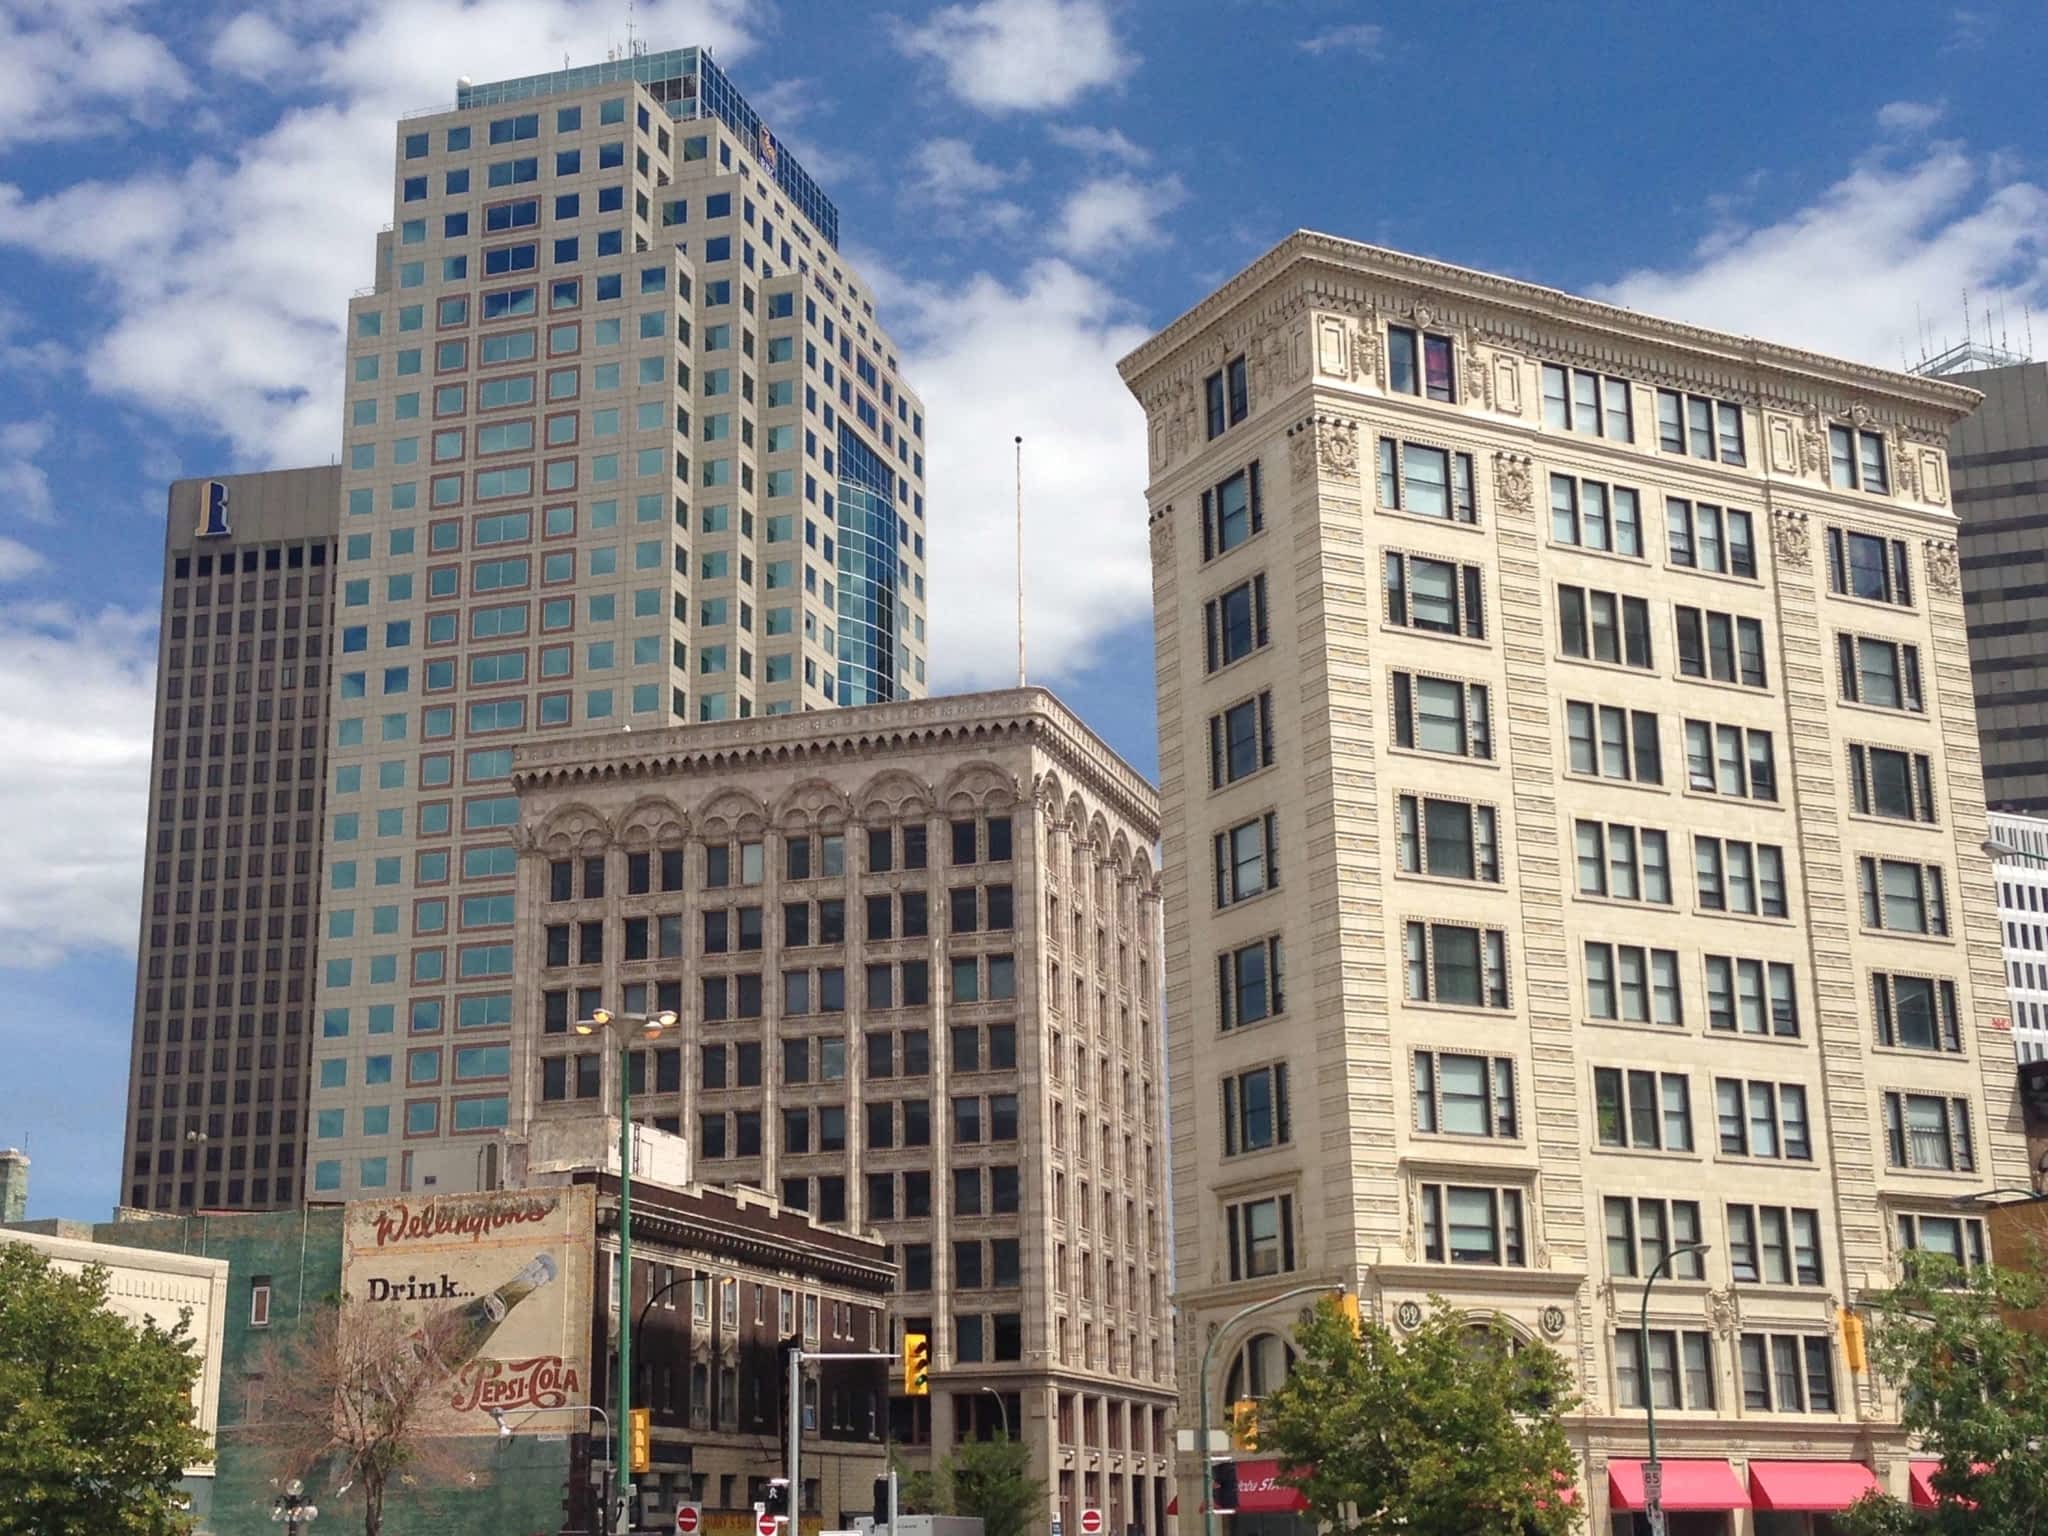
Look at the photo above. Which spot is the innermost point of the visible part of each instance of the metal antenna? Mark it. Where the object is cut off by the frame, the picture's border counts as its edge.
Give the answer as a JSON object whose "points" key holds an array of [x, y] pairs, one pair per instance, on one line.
{"points": [[1020, 561]]}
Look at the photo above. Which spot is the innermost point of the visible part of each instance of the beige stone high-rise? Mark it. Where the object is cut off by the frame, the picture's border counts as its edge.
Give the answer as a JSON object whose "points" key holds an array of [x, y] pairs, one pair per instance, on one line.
{"points": [[1573, 809], [914, 952]]}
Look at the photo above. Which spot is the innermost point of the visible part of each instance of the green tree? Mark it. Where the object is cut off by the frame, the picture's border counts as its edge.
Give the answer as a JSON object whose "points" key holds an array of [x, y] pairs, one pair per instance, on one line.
{"points": [[1452, 1431], [1973, 1391], [989, 1479], [95, 1412]]}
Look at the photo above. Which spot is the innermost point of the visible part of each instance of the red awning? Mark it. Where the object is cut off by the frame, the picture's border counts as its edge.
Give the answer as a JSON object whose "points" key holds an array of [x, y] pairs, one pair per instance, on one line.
{"points": [[1810, 1485], [1260, 1491], [1687, 1485], [1921, 1482]]}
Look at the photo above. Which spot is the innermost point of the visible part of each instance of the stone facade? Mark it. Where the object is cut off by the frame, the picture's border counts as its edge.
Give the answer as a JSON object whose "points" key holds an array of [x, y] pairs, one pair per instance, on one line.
{"points": [[1503, 719], [914, 951]]}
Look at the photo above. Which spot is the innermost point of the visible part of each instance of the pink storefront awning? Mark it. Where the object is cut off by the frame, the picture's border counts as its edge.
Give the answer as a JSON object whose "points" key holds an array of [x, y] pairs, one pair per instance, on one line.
{"points": [[1825, 1486], [1687, 1485]]}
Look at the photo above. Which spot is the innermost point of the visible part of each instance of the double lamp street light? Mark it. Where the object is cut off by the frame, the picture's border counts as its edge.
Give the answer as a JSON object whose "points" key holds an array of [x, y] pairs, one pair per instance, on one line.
{"points": [[625, 1030]]}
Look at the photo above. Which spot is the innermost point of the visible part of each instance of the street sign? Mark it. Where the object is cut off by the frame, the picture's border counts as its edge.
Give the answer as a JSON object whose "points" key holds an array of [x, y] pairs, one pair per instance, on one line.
{"points": [[1058, 1527], [1653, 1483], [689, 1519], [1091, 1522], [766, 1524]]}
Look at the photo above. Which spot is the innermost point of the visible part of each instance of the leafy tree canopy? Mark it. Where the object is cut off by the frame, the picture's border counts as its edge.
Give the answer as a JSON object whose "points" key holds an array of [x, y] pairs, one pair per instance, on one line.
{"points": [[96, 1424], [989, 1479], [1974, 1393], [1451, 1431]]}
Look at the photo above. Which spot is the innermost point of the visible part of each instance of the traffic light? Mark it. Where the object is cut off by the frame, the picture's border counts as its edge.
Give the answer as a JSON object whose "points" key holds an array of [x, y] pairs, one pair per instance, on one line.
{"points": [[1852, 1341], [1223, 1487], [881, 1510], [917, 1365], [1347, 1308], [775, 1500], [640, 1439], [1244, 1424]]}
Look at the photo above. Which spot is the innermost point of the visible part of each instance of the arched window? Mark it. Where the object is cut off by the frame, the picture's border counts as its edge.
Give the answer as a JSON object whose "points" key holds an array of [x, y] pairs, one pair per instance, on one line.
{"points": [[1265, 1361]]}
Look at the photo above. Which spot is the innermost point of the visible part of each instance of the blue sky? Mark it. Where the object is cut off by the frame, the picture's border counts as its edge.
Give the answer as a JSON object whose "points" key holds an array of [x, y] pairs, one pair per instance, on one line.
{"points": [[189, 193]]}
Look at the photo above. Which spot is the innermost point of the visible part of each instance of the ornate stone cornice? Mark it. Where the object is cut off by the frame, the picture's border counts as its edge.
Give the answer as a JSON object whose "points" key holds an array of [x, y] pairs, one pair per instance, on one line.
{"points": [[1342, 274], [953, 723]]}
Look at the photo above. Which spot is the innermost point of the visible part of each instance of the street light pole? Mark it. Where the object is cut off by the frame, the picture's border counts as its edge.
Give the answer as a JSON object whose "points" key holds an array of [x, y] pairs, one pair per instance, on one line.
{"points": [[1653, 1469], [649, 1026], [292, 1509], [1208, 1352]]}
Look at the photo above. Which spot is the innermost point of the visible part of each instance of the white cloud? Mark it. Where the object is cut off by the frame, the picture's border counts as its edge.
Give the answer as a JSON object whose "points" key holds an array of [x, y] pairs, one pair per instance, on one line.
{"points": [[1115, 213], [1107, 143], [1037, 358], [24, 487], [74, 67], [1021, 55], [1363, 38], [1910, 117], [17, 560], [1845, 274], [948, 171], [77, 693], [250, 45], [233, 326]]}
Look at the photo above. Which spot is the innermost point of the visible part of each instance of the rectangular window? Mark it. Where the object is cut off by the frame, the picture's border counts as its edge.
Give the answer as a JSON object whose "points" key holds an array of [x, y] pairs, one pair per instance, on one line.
{"points": [[1603, 626], [1575, 400], [1234, 624], [1641, 1232], [1732, 876], [1865, 565], [1455, 839], [1677, 1371], [1856, 460], [1594, 515], [1261, 1234], [1924, 1130], [1751, 997], [1461, 1095], [1227, 396], [1882, 673], [1248, 984], [1456, 965], [1721, 646], [1439, 596], [1464, 1224], [1420, 363], [1247, 860], [1232, 512], [1241, 740], [1762, 1119], [1430, 482], [1699, 427], [1255, 1110], [1613, 743], [1439, 714], [1644, 1111], [1900, 897], [1884, 781], [1787, 1373], [1773, 1245], [1632, 985], [1730, 760], [1960, 1238], [1710, 538], [1623, 863], [1915, 1013]]}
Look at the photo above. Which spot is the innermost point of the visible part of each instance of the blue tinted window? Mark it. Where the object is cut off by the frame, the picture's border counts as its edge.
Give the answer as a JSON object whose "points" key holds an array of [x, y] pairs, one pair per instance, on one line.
{"points": [[611, 155], [718, 248], [568, 162], [454, 225], [458, 138], [568, 119], [609, 286], [415, 146], [415, 188], [611, 199], [457, 180], [611, 242], [718, 205], [513, 215], [568, 205]]}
